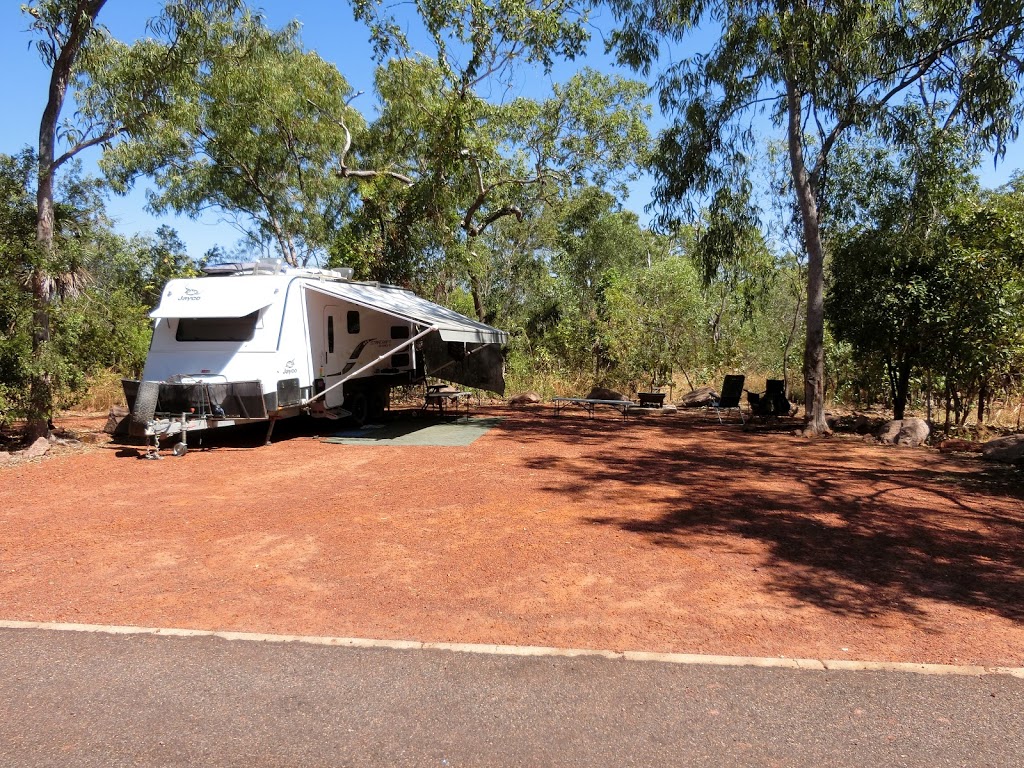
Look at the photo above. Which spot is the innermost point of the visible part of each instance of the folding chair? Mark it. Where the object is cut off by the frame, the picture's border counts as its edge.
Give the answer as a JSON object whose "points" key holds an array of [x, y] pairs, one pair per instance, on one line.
{"points": [[732, 392], [773, 403]]}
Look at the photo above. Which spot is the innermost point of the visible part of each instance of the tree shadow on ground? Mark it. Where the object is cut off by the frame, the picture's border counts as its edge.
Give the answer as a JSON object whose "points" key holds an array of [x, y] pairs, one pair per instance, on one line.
{"points": [[854, 529]]}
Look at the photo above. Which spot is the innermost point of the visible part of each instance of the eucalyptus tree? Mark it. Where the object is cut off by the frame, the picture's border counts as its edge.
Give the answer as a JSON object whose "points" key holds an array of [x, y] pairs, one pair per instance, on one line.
{"points": [[256, 133], [468, 157], [78, 52], [818, 72]]}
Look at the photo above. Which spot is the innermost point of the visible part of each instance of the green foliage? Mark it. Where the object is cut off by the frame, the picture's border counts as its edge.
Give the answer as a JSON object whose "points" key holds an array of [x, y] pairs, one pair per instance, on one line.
{"points": [[657, 321], [441, 165], [821, 72], [937, 289], [487, 36], [104, 323], [256, 129]]}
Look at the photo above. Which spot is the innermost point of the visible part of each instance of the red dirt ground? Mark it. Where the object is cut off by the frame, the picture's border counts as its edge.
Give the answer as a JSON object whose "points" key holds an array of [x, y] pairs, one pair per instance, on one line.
{"points": [[658, 534]]}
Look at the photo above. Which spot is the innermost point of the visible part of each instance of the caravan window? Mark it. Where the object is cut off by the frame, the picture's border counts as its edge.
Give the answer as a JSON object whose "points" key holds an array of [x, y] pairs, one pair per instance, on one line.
{"points": [[330, 334], [399, 331], [217, 328], [353, 322]]}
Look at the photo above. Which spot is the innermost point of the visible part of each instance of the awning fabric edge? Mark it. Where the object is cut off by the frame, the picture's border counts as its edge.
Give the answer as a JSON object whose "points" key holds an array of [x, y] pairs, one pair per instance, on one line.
{"points": [[445, 320]]}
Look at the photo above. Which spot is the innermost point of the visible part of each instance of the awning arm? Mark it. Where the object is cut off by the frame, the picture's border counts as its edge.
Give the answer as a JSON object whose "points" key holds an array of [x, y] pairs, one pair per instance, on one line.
{"points": [[372, 363]]}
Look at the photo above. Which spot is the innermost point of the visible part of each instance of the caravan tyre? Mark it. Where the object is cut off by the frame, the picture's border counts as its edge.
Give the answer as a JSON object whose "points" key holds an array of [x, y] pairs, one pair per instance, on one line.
{"points": [[145, 403], [376, 407], [358, 405]]}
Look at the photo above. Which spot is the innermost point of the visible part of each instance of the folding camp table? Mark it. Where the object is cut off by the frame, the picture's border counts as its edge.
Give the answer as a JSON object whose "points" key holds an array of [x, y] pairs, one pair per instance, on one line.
{"points": [[446, 399], [589, 404]]}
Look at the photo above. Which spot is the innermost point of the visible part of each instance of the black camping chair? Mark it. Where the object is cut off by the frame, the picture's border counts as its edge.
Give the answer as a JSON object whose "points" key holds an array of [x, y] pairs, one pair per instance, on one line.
{"points": [[772, 403], [732, 392]]}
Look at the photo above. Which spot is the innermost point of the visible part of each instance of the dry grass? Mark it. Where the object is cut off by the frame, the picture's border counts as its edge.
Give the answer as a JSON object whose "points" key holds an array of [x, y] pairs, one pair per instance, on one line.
{"points": [[103, 392]]}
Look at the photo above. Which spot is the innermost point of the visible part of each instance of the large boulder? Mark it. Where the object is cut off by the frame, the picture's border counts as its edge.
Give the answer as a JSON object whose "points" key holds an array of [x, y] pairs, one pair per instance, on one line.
{"points": [[698, 398], [603, 393], [1009, 449], [888, 432], [527, 398], [912, 432], [118, 420]]}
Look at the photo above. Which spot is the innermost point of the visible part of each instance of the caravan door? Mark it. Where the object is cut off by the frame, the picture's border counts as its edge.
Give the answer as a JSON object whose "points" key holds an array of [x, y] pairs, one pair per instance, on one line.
{"points": [[334, 357]]}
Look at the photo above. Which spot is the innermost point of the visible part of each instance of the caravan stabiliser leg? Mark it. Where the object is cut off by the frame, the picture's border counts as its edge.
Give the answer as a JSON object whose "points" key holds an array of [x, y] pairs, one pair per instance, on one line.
{"points": [[270, 430], [181, 448]]}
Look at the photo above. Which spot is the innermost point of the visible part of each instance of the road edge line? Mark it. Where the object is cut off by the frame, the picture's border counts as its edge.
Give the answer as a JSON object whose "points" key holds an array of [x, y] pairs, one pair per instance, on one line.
{"points": [[684, 659]]}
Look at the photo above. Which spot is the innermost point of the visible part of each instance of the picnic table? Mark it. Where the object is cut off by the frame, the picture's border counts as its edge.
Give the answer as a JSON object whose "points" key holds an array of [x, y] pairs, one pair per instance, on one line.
{"points": [[445, 399]]}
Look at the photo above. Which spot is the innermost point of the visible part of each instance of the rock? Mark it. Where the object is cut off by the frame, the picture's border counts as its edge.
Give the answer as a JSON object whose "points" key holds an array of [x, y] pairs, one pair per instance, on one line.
{"points": [[603, 393], [865, 425], [698, 398], [37, 449], [888, 432], [70, 442], [5, 457], [960, 446], [118, 420], [913, 432], [527, 398], [1009, 449]]}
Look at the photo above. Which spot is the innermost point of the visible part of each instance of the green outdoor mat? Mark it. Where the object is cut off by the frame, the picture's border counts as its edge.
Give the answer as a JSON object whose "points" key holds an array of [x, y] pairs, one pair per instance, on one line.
{"points": [[461, 432]]}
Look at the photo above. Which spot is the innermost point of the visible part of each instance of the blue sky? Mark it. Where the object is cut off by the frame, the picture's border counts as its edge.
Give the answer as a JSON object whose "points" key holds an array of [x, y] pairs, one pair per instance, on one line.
{"points": [[328, 28]]}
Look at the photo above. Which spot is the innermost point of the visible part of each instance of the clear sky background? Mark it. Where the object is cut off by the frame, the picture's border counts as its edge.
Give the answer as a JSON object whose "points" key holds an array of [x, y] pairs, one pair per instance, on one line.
{"points": [[328, 28]]}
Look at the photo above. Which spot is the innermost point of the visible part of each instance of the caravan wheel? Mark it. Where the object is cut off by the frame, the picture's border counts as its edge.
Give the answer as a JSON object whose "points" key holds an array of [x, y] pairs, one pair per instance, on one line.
{"points": [[376, 407], [358, 405]]}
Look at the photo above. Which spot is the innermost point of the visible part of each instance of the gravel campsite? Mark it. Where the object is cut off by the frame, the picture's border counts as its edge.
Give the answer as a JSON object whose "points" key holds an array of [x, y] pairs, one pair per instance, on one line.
{"points": [[660, 533]]}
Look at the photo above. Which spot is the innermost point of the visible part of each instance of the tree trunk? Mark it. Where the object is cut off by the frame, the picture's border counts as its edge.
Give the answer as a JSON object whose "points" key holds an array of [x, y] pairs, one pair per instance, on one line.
{"points": [[41, 385], [983, 397], [40, 398], [902, 389], [477, 291], [814, 352], [789, 339], [928, 396]]}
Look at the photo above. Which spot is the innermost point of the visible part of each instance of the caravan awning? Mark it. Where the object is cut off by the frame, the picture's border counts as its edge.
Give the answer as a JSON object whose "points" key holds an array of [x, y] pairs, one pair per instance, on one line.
{"points": [[408, 306], [209, 297]]}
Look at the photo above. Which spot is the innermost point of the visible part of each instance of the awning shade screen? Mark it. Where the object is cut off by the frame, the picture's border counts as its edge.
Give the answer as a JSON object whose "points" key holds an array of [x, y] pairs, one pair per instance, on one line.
{"points": [[408, 306], [216, 297]]}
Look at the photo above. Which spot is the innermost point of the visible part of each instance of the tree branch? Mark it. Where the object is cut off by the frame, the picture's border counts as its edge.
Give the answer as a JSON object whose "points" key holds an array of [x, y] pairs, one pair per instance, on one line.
{"points": [[82, 145], [344, 171]]}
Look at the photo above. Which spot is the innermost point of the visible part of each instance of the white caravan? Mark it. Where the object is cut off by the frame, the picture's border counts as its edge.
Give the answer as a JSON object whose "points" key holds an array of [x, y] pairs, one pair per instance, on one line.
{"points": [[260, 342]]}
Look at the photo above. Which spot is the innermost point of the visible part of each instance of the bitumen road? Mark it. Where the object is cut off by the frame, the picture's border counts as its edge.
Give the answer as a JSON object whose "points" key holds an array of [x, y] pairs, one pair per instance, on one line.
{"points": [[95, 699]]}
